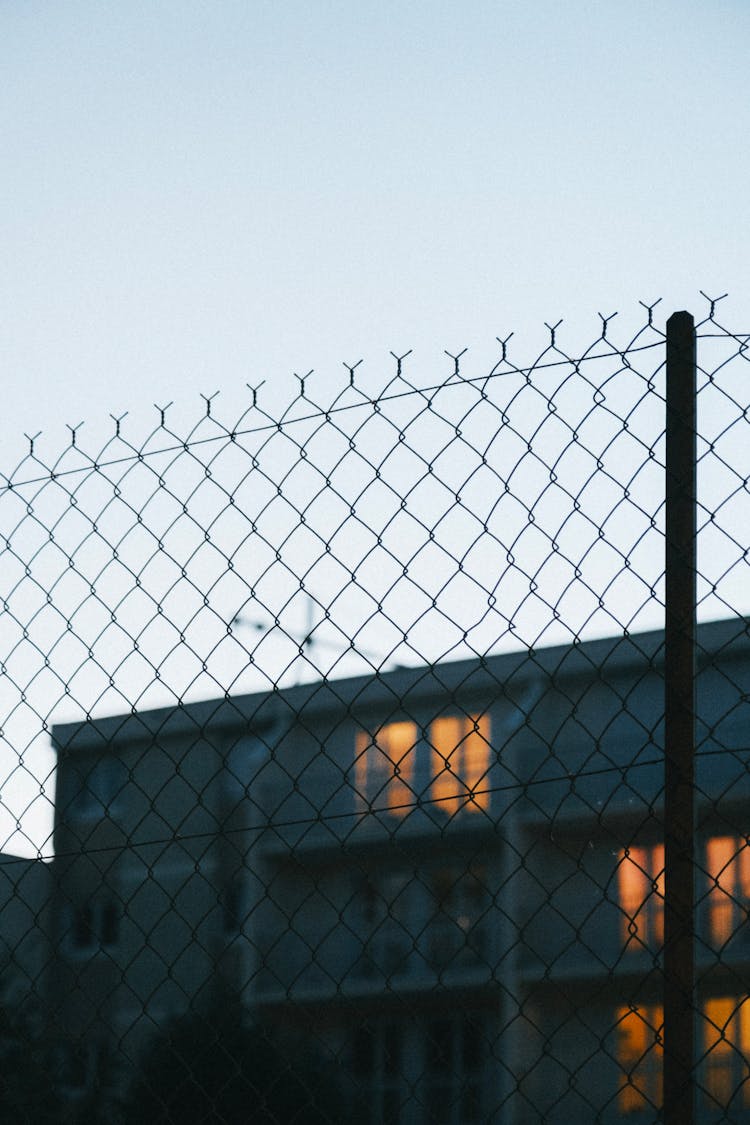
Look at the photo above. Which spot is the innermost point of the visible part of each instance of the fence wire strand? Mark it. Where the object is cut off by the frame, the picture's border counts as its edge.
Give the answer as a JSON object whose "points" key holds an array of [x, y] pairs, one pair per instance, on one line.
{"points": [[333, 744]]}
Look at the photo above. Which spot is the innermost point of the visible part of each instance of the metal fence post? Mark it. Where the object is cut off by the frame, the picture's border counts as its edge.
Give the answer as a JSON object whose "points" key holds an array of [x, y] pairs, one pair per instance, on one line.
{"points": [[679, 720]]}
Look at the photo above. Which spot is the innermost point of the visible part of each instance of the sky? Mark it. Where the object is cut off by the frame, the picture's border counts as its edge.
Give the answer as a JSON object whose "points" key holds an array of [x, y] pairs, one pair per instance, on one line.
{"points": [[197, 197]]}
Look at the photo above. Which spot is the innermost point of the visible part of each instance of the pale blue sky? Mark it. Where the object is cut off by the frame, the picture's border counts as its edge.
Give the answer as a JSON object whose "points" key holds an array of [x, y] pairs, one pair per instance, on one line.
{"points": [[196, 195], [200, 195]]}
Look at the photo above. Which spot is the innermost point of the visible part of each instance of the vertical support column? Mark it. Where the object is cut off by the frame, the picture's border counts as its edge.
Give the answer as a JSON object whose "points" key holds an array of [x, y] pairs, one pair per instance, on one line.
{"points": [[679, 721]]}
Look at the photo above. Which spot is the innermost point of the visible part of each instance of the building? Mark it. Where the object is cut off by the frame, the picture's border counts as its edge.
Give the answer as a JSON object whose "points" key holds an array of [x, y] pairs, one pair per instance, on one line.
{"points": [[450, 876], [25, 946]]}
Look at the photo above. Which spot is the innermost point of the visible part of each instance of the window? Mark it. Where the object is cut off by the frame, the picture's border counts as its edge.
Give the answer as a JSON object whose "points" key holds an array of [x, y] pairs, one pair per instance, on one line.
{"points": [[725, 1079], [455, 1050], [93, 926], [245, 762], [425, 1069], [726, 1040], [82, 930], [379, 1059], [458, 930], [460, 761], [73, 1068], [384, 767], [385, 772], [232, 903], [387, 908], [639, 1053], [640, 880], [100, 789], [728, 866], [109, 923]]}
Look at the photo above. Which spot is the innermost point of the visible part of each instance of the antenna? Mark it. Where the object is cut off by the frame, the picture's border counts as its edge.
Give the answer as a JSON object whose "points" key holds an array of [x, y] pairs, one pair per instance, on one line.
{"points": [[308, 639]]}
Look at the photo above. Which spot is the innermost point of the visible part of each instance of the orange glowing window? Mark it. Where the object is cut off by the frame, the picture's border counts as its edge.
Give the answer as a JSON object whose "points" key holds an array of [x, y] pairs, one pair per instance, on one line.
{"points": [[726, 1041], [384, 767], [640, 882], [460, 762], [728, 866], [639, 1054]]}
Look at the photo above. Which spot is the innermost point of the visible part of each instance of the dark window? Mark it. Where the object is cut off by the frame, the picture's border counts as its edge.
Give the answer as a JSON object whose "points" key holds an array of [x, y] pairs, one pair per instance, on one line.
{"points": [[363, 1050], [83, 929], [101, 789], [109, 923], [232, 908], [94, 925]]}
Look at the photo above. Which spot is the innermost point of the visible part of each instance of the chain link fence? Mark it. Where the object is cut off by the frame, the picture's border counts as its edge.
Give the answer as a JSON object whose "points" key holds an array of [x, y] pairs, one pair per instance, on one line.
{"points": [[333, 753]]}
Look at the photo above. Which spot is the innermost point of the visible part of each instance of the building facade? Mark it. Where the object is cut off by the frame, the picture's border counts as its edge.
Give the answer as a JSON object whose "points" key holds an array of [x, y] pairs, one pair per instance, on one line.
{"points": [[25, 945], [450, 877]]}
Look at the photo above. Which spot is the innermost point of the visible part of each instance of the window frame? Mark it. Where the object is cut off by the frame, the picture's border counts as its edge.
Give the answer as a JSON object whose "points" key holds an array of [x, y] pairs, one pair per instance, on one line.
{"points": [[93, 927], [459, 768], [459, 921], [726, 1036], [724, 1079], [642, 1065], [99, 795], [379, 1070], [640, 896], [385, 768], [454, 1077], [389, 916], [397, 762], [728, 895]]}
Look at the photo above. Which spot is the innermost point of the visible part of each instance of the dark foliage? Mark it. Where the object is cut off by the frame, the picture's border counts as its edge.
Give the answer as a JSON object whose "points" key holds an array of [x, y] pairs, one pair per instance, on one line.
{"points": [[215, 1069], [27, 1087]]}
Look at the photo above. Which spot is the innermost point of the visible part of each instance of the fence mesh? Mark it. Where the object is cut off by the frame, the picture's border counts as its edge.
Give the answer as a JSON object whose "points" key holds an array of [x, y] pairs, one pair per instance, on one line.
{"points": [[333, 748]]}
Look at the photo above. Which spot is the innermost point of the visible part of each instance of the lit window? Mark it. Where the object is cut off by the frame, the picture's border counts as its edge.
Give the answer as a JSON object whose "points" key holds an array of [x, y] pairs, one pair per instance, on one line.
{"points": [[726, 1040], [384, 767], [639, 1053], [726, 1049], [640, 880], [728, 864], [460, 761]]}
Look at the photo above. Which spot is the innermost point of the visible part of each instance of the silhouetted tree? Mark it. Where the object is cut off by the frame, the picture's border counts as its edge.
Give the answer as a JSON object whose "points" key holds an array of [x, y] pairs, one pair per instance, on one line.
{"points": [[216, 1069], [102, 1100]]}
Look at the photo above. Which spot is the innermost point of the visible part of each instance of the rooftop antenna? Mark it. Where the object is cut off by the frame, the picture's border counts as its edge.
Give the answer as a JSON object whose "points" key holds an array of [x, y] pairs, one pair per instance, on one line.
{"points": [[308, 640]]}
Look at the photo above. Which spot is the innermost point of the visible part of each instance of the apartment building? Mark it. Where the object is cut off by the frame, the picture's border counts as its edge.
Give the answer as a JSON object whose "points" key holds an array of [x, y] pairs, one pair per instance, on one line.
{"points": [[450, 876], [25, 947]]}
